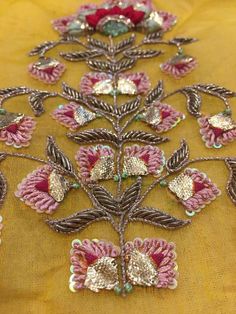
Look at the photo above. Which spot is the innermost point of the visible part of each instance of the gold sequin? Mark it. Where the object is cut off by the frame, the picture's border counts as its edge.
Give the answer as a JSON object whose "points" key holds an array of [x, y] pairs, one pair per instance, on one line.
{"points": [[103, 169], [9, 118], [126, 86], [222, 121], [141, 270], [152, 115], [82, 116], [103, 87], [134, 166], [182, 186], [58, 186], [102, 274]]}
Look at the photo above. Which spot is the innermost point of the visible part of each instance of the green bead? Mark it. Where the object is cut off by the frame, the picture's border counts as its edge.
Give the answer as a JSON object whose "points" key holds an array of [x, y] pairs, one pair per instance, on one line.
{"points": [[75, 185], [116, 178], [2, 111], [138, 117], [217, 145], [117, 290], [115, 28], [163, 183], [128, 287], [76, 241], [60, 106], [124, 175], [98, 115], [227, 111]]}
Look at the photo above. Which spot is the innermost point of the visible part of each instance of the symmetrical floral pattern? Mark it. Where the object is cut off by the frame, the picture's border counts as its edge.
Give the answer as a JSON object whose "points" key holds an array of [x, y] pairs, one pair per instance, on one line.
{"points": [[43, 189], [194, 190]]}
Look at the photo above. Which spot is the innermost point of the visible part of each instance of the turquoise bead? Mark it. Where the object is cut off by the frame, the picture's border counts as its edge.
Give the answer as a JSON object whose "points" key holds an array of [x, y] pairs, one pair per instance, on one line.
{"points": [[75, 185], [60, 106], [2, 111], [163, 183], [117, 290], [217, 145], [128, 287], [116, 178], [115, 28]]}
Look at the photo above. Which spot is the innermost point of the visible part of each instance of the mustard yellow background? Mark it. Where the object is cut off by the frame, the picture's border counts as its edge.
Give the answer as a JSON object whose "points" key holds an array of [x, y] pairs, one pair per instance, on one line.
{"points": [[34, 262]]}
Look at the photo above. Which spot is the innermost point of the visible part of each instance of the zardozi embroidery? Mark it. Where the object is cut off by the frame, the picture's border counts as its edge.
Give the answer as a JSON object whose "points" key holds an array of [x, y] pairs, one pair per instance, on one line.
{"points": [[123, 150]]}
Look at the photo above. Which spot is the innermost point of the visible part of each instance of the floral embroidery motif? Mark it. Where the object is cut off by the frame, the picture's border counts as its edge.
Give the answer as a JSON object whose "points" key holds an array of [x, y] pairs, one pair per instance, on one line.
{"points": [[162, 117], [47, 70], [151, 262], [143, 160], [16, 129], [179, 66], [95, 162], [73, 115], [43, 189], [194, 190], [93, 265], [101, 83], [217, 130]]}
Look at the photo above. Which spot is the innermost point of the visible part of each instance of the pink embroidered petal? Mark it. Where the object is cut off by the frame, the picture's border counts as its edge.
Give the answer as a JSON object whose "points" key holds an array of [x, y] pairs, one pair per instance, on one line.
{"points": [[168, 20], [162, 117], [18, 134], [47, 70], [93, 265], [155, 257], [194, 190], [179, 66], [37, 192], [91, 83], [143, 160], [217, 136], [95, 162], [73, 115], [61, 24]]}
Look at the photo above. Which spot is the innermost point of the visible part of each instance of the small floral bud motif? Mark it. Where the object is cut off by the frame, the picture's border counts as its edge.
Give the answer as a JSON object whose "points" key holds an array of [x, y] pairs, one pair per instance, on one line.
{"points": [[16, 129], [127, 84], [179, 66], [47, 70], [73, 115], [194, 190], [143, 160], [217, 130], [95, 162], [151, 262], [43, 189], [93, 265], [162, 117]]}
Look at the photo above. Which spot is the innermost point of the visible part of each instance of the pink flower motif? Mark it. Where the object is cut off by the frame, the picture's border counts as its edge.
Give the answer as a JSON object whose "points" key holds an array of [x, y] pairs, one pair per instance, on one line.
{"points": [[179, 66], [162, 117], [18, 134], [47, 70], [95, 162], [217, 134], [159, 258], [169, 20], [93, 265], [61, 24], [194, 190], [73, 115], [101, 83], [43, 189], [143, 160]]}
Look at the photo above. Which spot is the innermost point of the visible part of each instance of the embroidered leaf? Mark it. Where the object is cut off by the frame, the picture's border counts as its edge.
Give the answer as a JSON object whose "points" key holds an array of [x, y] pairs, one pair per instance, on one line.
{"points": [[129, 106], [182, 40], [36, 101], [124, 44], [42, 48], [179, 158], [94, 135], [2, 156], [71, 93], [194, 101], [124, 65], [105, 199], [95, 43], [131, 195], [231, 185], [101, 105], [155, 94], [157, 218], [3, 188], [152, 38], [57, 158], [137, 54], [102, 66], [144, 137], [77, 221], [13, 91], [215, 89], [80, 55]]}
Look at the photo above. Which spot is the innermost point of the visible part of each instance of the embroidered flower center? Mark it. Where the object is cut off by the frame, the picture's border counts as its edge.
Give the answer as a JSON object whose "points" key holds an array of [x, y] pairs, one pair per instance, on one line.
{"points": [[9, 121], [222, 122], [134, 166], [103, 169], [182, 186], [57, 186]]}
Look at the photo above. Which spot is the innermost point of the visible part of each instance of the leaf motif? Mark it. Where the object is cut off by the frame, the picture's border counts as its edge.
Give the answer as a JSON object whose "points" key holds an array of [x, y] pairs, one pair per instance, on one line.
{"points": [[13, 91], [215, 90], [102, 66], [94, 135], [144, 137], [124, 44], [95, 43], [194, 101], [71, 93], [79, 55], [2, 156], [137, 54], [101, 105], [131, 195], [231, 185], [129, 107], [42, 48], [124, 65], [77, 221], [157, 218], [3, 188], [155, 94], [36, 101], [152, 38], [105, 199], [182, 40], [179, 158], [57, 158]]}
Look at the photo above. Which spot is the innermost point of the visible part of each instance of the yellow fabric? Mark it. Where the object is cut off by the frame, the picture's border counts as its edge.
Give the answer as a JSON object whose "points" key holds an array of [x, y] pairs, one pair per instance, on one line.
{"points": [[34, 263]]}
